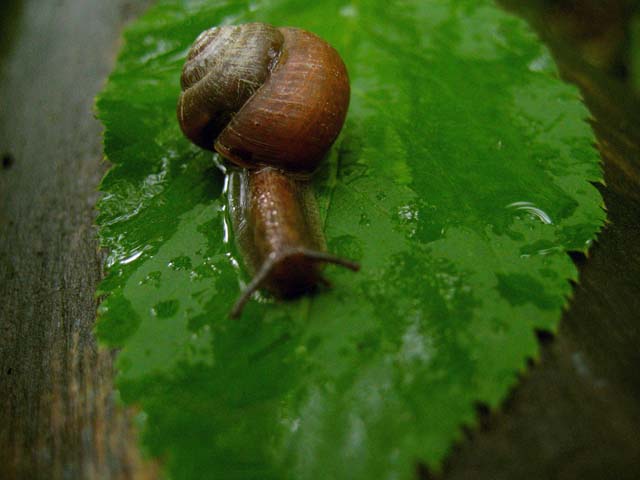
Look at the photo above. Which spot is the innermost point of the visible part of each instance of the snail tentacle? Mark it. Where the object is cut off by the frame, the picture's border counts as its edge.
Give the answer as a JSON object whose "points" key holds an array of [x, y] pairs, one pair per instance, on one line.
{"points": [[256, 283], [270, 263]]}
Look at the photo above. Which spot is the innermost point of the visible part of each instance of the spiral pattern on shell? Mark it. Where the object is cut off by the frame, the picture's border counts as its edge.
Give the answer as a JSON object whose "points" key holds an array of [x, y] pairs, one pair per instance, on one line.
{"points": [[264, 96]]}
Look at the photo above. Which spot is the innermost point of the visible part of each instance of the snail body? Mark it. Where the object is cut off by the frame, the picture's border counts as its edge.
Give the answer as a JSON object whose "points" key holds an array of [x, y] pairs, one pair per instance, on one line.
{"points": [[272, 102], [277, 226]]}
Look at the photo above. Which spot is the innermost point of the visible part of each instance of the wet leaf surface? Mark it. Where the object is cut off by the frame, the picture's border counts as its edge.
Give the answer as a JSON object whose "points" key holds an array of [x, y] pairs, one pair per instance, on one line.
{"points": [[459, 182]]}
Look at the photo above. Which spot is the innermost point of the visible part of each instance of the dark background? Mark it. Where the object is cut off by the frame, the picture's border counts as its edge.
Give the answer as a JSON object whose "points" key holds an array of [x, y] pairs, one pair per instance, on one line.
{"points": [[575, 415]]}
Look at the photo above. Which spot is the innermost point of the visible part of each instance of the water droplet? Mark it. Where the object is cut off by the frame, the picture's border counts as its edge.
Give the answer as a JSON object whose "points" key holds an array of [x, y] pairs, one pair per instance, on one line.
{"points": [[152, 279], [541, 63], [533, 210], [349, 11], [409, 216], [165, 309], [132, 258], [295, 425], [540, 248], [408, 213], [180, 263], [416, 347], [226, 229], [234, 263]]}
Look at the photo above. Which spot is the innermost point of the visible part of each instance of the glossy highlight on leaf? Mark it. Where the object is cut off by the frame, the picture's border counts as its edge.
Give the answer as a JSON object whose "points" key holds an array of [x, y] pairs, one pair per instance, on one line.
{"points": [[460, 181]]}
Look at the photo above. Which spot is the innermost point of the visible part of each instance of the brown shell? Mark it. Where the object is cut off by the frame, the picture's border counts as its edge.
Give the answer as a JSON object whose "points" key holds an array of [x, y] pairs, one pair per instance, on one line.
{"points": [[288, 120], [224, 68]]}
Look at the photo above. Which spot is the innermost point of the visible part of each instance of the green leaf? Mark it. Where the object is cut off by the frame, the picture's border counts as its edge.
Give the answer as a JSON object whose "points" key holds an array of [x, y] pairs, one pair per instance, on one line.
{"points": [[460, 181], [634, 51]]}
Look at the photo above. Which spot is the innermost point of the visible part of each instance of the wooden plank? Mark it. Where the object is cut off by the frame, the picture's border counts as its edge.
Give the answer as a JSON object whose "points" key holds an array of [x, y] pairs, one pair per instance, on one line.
{"points": [[57, 409]]}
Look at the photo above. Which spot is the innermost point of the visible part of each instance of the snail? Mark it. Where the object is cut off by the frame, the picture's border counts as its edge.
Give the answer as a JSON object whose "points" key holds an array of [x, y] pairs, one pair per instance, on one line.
{"points": [[271, 101]]}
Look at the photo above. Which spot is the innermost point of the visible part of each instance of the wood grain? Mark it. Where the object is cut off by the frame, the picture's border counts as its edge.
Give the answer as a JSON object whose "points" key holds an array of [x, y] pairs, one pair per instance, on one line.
{"points": [[58, 417]]}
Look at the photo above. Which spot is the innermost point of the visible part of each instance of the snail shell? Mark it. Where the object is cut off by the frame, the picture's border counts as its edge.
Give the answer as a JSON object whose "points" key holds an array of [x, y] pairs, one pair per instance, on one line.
{"points": [[264, 96]]}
